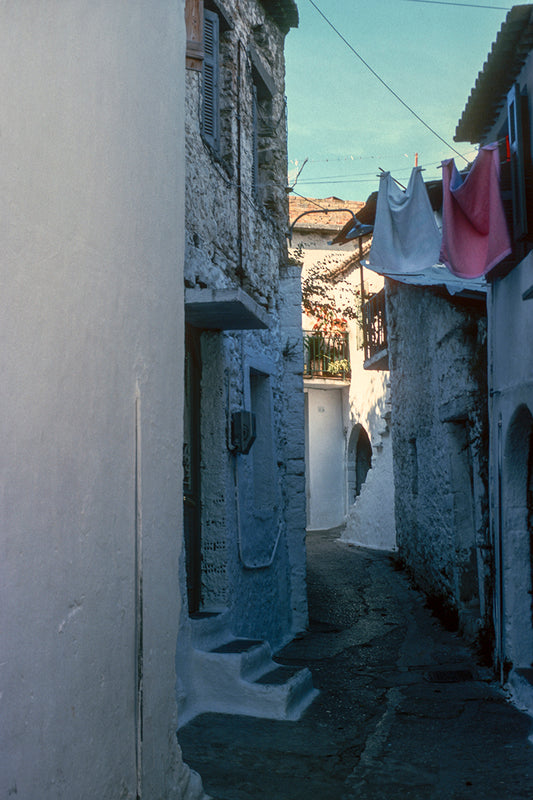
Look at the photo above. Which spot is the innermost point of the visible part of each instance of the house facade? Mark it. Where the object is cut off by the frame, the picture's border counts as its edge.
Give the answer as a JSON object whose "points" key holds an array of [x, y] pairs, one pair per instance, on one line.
{"points": [[244, 496], [92, 197], [429, 328], [500, 109], [349, 482], [437, 358]]}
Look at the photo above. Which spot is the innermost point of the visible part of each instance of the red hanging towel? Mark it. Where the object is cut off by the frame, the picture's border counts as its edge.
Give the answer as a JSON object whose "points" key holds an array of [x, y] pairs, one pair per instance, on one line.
{"points": [[474, 231]]}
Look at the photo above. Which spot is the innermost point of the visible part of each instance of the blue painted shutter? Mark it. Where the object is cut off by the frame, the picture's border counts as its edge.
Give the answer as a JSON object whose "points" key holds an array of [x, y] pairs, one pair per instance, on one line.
{"points": [[210, 121]]}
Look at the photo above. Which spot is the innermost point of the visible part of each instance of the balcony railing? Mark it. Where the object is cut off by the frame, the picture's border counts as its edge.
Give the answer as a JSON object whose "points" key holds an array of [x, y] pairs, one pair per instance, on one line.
{"points": [[375, 331], [326, 356]]}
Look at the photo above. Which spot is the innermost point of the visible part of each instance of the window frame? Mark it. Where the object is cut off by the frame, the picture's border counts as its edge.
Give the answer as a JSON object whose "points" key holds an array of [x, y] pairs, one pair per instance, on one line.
{"points": [[517, 117]]}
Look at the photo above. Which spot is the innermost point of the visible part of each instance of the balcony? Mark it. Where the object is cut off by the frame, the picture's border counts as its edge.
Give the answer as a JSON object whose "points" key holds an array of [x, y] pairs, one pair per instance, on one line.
{"points": [[326, 356], [375, 332]]}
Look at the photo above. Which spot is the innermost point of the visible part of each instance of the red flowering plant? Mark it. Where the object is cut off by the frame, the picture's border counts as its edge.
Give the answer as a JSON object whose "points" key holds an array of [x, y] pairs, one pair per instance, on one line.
{"points": [[326, 345], [330, 302]]}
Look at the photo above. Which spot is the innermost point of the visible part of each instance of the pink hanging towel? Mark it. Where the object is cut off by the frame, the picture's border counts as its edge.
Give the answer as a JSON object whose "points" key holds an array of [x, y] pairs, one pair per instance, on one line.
{"points": [[474, 231]]}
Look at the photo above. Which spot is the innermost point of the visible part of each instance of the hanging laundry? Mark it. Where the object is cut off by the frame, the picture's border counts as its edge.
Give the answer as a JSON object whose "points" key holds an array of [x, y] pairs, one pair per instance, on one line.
{"points": [[406, 235], [474, 231]]}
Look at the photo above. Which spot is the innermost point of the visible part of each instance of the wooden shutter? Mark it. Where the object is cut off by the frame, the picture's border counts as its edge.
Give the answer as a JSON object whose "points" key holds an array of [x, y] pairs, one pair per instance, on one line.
{"points": [[516, 120], [194, 19], [210, 120]]}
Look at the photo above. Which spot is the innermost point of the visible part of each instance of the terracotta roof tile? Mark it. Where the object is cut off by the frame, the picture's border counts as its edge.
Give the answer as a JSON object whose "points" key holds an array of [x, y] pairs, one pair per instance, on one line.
{"points": [[321, 221]]}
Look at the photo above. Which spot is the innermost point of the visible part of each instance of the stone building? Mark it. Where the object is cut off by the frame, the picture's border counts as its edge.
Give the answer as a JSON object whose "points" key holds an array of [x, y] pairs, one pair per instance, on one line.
{"points": [[500, 108], [349, 480], [437, 358], [244, 497], [429, 328], [92, 219]]}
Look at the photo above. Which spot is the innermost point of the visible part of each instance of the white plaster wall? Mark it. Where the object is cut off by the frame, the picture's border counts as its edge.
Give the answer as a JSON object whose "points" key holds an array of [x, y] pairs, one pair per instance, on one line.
{"points": [[510, 327], [370, 520], [325, 455], [91, 226]]}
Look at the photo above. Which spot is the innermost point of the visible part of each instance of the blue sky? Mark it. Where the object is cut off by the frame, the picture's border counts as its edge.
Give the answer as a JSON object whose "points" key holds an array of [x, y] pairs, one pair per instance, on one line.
{"points": [[341, 117]]}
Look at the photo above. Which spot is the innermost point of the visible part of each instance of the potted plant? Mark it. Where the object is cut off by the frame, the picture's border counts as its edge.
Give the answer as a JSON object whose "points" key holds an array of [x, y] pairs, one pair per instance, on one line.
{"points": [[339, 366]]}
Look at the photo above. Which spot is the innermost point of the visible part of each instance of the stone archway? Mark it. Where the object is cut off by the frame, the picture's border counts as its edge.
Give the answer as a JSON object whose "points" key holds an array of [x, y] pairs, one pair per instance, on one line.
{"points": [[517, 534], [359, 461]]}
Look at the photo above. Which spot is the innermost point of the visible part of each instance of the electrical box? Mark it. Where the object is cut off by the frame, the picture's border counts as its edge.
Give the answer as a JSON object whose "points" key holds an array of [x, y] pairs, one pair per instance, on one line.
{"points": [[242, 431]]}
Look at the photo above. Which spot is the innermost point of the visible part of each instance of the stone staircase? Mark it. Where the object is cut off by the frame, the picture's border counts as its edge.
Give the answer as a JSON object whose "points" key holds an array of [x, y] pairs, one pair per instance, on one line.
{"points": [[520, 688], [231, 675]]}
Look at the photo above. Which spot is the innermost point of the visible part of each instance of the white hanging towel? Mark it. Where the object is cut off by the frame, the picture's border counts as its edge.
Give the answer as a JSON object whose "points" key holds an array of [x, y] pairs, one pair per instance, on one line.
{"points": [[406, 236]]}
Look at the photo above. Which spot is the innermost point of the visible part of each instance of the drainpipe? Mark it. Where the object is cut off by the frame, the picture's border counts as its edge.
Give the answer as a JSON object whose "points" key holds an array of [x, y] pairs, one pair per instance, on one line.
{"points": [[139, 648]]}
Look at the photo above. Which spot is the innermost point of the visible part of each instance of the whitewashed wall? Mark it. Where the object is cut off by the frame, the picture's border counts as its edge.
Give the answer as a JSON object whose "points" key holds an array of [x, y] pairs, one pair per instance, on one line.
{"points": [[365, 401], [326, 473], [370, 521], [91, 232], [510, 328]]}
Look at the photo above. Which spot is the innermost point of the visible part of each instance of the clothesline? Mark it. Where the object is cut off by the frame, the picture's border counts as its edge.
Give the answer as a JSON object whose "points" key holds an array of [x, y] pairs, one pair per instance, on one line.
{"points": [[474, 235]]}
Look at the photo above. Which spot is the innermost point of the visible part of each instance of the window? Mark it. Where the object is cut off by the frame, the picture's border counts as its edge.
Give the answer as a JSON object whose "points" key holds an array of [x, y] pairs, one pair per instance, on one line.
{"points": [[519, 145], [263, 130], [263, 450]]}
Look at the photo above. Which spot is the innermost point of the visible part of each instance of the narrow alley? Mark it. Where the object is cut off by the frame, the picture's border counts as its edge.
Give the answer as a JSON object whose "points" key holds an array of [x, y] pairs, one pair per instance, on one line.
{"points": [[405, 708]]}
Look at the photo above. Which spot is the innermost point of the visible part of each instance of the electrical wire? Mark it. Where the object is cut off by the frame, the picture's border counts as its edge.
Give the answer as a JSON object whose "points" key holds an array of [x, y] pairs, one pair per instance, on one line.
{"points": [[310, 200], [359, 177], [385, 84], [466, 5]]}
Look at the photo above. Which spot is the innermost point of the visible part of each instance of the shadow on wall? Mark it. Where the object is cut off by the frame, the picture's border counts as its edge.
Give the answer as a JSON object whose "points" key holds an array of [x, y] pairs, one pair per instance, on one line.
{"points": [[375, 406]]}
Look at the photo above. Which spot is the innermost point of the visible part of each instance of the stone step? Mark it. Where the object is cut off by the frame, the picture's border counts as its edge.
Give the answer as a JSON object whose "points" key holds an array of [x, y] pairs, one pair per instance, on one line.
{"points": [[520, 687], [209, 629], [298, 684], [240, 677]]}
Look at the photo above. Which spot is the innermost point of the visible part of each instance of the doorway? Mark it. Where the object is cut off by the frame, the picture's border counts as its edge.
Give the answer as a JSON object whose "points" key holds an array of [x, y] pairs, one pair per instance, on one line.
{"points": [[191, 468], [517, 540], [359, 461]]}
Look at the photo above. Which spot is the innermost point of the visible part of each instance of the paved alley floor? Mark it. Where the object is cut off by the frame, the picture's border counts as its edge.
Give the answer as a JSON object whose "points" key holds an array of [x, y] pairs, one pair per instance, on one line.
{"points": [[404, 711]]}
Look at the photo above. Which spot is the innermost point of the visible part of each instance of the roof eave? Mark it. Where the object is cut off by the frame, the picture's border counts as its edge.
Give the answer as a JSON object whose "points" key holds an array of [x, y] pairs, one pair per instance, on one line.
{"points": [[504, 62]]}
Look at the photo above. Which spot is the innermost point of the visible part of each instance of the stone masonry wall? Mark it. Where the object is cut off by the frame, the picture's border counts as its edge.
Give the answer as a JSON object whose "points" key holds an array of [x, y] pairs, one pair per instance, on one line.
{"points": [[437, 353], [236, 237]]}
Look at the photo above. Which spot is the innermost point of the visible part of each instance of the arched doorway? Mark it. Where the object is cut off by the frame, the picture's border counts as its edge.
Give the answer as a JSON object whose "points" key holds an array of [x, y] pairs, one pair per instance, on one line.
{"points": [[517, 535], [359, 461]]}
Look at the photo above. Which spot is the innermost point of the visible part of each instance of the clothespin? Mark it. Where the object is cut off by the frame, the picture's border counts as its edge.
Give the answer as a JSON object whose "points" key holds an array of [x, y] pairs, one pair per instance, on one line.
{"points": [[394, 179]]}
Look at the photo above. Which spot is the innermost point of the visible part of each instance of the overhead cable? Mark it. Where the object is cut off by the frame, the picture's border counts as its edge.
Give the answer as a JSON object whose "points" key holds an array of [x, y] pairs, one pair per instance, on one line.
{"points": [[466, 5]]}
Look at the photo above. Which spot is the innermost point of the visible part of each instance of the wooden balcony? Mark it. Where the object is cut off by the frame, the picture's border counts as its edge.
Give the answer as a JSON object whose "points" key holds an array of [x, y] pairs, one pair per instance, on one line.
{"points": [[326, 357], [375, 332]]}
